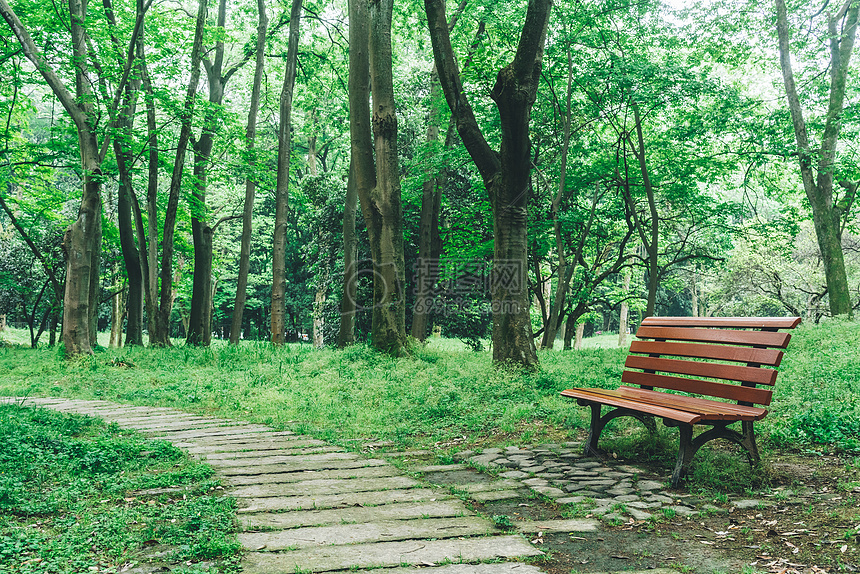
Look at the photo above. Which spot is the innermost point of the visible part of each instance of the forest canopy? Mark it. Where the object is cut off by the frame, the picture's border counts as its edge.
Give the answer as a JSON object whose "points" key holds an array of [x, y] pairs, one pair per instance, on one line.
{"points": [[524, 172]]}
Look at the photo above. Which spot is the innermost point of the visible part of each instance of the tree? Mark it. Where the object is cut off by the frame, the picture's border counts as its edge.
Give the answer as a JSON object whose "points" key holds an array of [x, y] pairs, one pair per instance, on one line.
{"points": [[82, 241], [250, 181], [506, 173], [818, 167], [378, 184], [282, 191]]}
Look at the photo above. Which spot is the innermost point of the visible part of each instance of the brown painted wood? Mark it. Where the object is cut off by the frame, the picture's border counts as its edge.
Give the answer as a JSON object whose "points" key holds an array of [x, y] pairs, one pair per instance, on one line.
{"points": [[699, 387], [725, 322], [769, 357], [751, 338], [739, 373], [611, 398], [694, 404]]}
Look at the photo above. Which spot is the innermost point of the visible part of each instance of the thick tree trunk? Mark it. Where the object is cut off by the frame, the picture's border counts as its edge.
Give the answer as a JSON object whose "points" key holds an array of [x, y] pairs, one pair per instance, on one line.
{"points": [[505, 175], [282, 191], [250, 182], [382, 207], [826, 213], [162, 323], [199, 331]]}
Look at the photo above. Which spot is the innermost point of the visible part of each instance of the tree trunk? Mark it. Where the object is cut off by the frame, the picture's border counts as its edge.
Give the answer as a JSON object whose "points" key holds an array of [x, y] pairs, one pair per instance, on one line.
{"points": [[162, 323], [382, 207], [282, 191], [505, 175], [826, 214], [151, 257], [569, 331], [199, 331], [250, 181], [580, 330], [623, 319], [346, 333]]}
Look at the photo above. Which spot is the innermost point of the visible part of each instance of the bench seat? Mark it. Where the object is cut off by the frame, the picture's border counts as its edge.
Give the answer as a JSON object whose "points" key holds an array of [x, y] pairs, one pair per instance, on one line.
{"points": [[711, 371]]}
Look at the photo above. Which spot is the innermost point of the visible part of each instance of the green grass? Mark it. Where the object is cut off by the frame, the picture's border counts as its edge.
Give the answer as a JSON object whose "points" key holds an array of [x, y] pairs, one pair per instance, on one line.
{"points": [[72, 500], [443, 396]]}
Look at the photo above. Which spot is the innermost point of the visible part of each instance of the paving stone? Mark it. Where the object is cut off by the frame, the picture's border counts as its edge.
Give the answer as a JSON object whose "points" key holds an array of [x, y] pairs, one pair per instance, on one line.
{"points": [[587, 464], [255, 446], [638, 514], [682, 510], [659, 498], [612, 517], [514, 474], [643, 505], [382, 554], [570, 500], [311, 501], [590, 494], [492, 451], [710, 508], [407, 454], [648, 485], [323, 487], [571, 525], [494, 568], [441, 468], [627, 498], [494, 495], [619, 491], [535, 482], [506, 463], [488, 486], [389, 530], [533, 469], [300, 466], [297, 459], [750, 504], [287, 477], [551, 476], [485, 460], [581, 474], [354, 515], [549, 491]]}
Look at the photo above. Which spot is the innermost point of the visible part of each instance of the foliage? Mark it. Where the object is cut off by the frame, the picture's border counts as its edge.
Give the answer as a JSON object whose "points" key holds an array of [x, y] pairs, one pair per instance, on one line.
{"points": [[73, 498]]}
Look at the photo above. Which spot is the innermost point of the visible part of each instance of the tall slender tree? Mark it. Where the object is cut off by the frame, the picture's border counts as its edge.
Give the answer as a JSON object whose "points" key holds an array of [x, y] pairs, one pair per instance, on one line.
{"points": [[250, 181], [282, 189], [817, 165]]}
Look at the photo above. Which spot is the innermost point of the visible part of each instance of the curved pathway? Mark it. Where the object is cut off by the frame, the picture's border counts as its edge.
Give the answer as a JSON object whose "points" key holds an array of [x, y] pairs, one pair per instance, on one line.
{"points": [[307, 506]]}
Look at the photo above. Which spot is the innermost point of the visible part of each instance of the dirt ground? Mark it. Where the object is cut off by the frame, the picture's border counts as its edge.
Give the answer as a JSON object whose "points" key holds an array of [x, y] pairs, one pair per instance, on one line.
{"points": [[807, 521]]}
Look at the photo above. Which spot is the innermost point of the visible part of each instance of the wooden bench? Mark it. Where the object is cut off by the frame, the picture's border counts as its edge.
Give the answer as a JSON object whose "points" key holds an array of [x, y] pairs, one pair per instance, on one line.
{"points": [[725, 368]]}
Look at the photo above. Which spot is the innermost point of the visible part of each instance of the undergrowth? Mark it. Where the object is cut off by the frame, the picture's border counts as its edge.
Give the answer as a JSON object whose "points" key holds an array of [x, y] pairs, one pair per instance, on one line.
{"points": [[76, 496]]}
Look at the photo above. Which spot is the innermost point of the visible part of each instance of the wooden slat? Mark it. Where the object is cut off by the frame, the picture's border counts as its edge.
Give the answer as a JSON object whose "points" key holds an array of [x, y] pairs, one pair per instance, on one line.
{"points": [[750, 338], [739, 373], [769, 357], [607, 397], [724, 322], [699, 387], [728, 411]]}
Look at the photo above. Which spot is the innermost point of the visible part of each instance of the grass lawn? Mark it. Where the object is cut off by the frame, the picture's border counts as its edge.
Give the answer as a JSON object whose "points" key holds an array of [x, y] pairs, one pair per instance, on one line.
{"points": [[77, 495], [444, 396]]}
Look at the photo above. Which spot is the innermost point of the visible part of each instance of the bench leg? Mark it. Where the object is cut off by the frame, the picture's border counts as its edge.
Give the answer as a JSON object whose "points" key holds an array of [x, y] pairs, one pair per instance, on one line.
{"points": [[598, 423], [689, 446]]}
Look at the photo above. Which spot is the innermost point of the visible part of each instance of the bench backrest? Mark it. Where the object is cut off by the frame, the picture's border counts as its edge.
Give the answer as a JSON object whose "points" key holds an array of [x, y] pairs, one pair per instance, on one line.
{"points": [[734, 355]]}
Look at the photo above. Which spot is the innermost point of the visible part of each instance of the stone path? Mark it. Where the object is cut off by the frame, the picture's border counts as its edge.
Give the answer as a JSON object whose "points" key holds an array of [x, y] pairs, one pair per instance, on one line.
{"points": [[306, 506]]}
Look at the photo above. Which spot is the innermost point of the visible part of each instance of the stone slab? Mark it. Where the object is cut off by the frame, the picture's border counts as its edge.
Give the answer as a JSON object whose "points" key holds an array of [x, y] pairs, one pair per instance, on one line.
{"points": [[297, 460], [260, 437], [312, 501], [389, 530], [254, 445], [287, 477], [299, 466], [353, 515], [323, 487], [246, 431], [488, 486], [262, 454], [494, 568], [571, 525], [493, 495], [441, 468], [382, 554]]}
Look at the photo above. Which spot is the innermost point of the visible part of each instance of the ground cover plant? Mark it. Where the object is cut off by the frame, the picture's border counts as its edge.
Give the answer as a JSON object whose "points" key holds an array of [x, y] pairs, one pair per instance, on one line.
{"points": [[443, 396], [77, 495]]}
